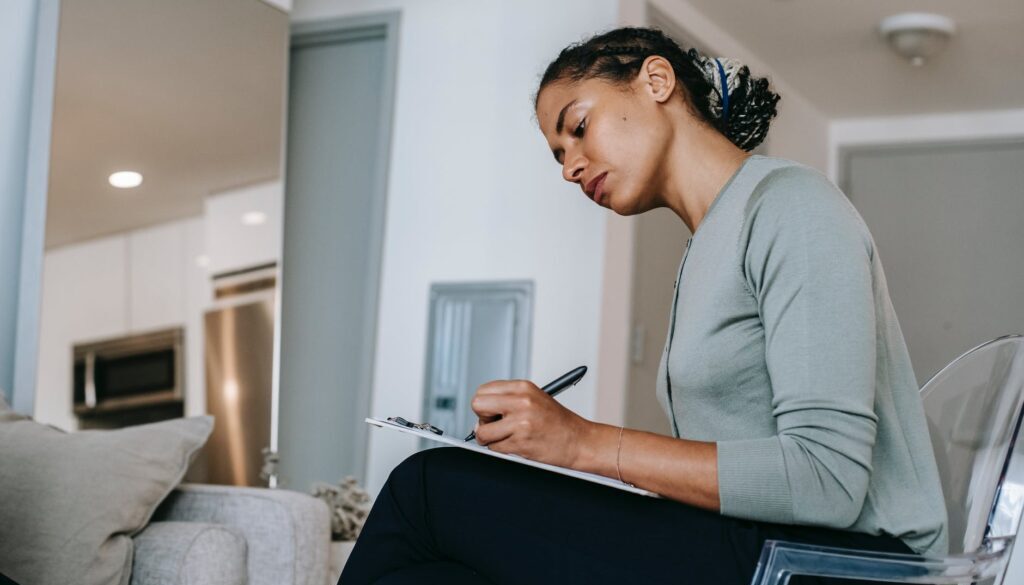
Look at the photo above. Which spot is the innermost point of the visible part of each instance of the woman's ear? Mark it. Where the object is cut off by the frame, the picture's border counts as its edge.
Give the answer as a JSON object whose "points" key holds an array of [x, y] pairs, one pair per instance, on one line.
{"points": [[658, 78]]}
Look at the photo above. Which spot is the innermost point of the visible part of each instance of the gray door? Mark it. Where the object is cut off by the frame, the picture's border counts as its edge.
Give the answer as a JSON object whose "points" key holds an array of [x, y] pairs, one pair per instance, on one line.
{"points": [[946, 220], [339, 107]]}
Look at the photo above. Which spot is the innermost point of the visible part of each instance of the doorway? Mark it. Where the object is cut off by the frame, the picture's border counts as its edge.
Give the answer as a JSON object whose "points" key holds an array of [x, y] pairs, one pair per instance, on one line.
{"points": [[340, 107]]}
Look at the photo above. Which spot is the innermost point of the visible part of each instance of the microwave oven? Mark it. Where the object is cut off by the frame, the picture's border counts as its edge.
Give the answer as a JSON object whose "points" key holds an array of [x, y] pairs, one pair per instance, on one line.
{"points": [[129, 372]]}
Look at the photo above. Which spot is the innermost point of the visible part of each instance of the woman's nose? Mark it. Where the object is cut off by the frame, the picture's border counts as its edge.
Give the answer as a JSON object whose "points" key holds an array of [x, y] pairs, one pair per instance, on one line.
{"points": [[572, 170]]}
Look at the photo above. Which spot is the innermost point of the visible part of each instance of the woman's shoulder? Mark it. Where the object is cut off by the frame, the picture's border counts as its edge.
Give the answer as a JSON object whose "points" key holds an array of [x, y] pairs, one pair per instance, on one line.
{"points": [[786, 179], [795, 197], [796, 192]]}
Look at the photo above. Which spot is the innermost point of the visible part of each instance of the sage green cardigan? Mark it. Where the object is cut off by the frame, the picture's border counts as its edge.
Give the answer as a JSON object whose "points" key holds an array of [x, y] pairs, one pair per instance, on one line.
{"points": [[784, 349]]}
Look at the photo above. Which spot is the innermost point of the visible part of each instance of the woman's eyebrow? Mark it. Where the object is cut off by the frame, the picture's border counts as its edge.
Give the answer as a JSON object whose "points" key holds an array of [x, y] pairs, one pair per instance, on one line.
{"points": [[561, 117], [559, 126]]}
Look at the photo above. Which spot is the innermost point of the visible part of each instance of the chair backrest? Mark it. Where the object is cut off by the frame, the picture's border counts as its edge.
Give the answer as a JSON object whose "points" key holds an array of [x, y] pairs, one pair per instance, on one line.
{"points": [[974, 410]]}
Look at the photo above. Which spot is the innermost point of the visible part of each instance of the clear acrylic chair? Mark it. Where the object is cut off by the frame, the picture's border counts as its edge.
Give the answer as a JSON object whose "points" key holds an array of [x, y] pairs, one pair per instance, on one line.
{"points": [[974, 411]]}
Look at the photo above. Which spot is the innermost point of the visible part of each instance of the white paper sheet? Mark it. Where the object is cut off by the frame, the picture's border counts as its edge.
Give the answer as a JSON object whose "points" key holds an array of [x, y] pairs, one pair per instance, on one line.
{"points": [[474, 446]]}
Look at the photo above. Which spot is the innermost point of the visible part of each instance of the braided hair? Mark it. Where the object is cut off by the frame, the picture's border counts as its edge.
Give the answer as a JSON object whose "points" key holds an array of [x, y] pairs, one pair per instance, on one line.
{"points": [[722, 90]]}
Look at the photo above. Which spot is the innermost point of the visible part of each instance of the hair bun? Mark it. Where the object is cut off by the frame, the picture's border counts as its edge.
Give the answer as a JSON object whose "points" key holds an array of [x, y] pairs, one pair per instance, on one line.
{"points": [[745, 115]]}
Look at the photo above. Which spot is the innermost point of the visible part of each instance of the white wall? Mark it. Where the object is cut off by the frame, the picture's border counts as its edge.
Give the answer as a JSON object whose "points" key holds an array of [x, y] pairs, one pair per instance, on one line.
{"points": [[473, 193]]}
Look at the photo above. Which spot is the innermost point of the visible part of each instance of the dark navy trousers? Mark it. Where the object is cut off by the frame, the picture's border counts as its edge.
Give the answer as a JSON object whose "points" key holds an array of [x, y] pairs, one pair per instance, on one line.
{"points": [[451, 516]]}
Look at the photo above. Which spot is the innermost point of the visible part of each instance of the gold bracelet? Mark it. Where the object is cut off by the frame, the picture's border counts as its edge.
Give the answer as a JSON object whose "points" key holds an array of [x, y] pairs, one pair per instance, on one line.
{"points": [[618, 452]]}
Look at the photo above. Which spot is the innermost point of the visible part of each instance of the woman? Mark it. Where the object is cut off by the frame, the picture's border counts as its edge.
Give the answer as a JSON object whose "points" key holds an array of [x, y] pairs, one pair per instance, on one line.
{"points": [[794, 410]]}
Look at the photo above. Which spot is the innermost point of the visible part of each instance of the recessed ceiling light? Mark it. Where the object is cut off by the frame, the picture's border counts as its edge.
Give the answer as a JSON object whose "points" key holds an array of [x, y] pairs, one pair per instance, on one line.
{"points": [[203, 261], [125, 179], [254, 218]]}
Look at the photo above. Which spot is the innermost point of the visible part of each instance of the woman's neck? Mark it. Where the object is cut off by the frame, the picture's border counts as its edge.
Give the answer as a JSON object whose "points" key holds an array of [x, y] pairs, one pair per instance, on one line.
{"points": [[698, 165]]}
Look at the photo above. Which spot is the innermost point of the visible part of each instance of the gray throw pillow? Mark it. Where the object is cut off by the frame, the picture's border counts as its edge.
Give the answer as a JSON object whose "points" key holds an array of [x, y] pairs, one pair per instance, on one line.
{"points": [[70, 502]]}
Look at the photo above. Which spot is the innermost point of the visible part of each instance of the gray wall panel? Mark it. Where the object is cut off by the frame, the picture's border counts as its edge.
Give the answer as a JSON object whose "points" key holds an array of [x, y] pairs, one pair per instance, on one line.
{"points": [[947, 221]]}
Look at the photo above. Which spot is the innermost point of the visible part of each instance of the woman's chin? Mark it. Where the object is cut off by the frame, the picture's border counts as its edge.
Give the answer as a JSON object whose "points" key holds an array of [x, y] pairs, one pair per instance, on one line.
{"points": [[622, 207]]}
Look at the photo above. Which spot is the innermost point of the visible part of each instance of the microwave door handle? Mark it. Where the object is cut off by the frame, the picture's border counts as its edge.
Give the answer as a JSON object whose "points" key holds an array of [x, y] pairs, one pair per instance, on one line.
{"points": [[90, 380]]}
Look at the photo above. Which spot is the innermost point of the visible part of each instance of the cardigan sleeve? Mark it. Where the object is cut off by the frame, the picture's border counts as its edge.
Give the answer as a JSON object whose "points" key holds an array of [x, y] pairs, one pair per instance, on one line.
{"points": [[808, 264]]}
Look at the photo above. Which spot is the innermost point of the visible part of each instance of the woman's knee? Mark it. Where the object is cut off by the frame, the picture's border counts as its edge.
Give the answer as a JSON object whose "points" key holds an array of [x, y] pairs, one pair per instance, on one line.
{"points": [[410, 469], [437, 460]]}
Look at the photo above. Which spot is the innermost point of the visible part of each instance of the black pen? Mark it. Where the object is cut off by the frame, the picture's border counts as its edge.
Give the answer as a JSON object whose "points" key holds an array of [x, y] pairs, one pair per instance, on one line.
{"points": [[554, 388]]}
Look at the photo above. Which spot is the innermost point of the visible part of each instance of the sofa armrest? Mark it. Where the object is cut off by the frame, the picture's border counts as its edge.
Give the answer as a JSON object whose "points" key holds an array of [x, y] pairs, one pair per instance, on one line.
{"points": [[288, 533], [192, 553]]}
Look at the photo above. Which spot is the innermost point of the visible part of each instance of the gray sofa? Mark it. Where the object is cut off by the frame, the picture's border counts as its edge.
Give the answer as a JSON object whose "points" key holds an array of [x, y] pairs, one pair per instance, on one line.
{"points": [[206, 534]]}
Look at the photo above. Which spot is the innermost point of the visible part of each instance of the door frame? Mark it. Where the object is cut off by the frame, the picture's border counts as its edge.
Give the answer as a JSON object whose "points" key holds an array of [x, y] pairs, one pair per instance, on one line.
{"points": [[29, 280], [844, 153], [920, 129]]}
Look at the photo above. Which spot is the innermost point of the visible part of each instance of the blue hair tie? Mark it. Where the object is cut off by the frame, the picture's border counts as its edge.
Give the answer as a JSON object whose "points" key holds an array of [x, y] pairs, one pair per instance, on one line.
{"points": [[725, 94]]}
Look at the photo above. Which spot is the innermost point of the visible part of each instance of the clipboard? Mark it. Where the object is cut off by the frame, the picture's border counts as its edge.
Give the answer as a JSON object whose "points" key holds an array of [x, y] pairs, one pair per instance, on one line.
{"points": [[474, 446]]}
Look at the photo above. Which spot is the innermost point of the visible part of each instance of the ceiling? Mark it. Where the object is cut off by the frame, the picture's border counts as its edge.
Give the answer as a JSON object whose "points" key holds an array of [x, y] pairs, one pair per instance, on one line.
{"points": [[190, 92], [830, 51], [187, 92]]}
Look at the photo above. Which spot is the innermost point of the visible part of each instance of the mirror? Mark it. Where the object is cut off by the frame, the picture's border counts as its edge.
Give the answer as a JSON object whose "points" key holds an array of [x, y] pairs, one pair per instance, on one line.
{"points": [[154, 293]]}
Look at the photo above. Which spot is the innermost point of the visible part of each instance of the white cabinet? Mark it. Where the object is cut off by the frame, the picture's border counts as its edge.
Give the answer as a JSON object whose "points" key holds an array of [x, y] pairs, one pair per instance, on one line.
{"points": [[243, 227], [85, 298], [198, 296], [156, 277]]}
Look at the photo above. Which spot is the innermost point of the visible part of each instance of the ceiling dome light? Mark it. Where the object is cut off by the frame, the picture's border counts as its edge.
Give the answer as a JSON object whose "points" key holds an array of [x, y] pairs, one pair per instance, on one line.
{"points": [[917, 36], [125, 179], [254, 218]]}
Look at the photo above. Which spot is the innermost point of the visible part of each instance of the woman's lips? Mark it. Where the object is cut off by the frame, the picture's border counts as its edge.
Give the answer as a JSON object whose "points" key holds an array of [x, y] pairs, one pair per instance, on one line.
{"points": [[599, 189]]}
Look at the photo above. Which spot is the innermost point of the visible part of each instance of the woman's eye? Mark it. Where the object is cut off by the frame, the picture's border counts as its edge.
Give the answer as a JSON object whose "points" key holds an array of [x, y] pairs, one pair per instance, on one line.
{"points": [[580, 128]]}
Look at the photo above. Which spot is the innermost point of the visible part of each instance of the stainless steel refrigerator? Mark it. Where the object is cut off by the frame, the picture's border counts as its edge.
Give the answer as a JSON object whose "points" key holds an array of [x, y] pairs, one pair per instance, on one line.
{"points": [[239, 336]]}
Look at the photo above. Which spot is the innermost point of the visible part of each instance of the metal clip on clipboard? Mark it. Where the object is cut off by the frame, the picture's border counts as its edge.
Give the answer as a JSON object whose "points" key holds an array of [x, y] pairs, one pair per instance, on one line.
{"points": [[422, 426]]}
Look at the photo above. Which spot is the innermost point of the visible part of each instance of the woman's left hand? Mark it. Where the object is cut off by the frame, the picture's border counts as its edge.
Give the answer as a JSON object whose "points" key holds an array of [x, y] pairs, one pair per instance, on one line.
{"points": [[532, 424]]}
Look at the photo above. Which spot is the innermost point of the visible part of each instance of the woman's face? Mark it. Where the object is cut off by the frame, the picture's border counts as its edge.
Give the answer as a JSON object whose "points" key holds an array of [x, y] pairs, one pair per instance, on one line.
{"points": [[609, 139]]}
